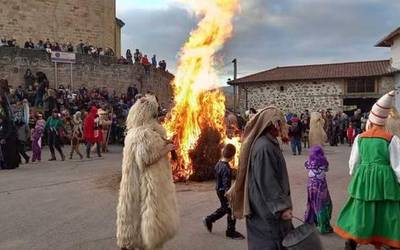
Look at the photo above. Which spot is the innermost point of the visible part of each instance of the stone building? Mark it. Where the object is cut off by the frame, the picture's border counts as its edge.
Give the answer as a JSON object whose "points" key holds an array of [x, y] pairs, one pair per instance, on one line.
{"points": [[337, 86], [91, 21], [392, 41]]}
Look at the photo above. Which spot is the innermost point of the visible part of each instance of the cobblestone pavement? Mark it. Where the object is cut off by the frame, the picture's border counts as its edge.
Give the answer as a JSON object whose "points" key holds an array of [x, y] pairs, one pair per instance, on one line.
{"points": [[71, 204]]}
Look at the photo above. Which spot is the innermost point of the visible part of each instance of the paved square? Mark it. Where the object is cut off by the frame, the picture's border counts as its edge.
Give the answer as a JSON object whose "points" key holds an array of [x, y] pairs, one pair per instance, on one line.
{"points": [[71, 204]]}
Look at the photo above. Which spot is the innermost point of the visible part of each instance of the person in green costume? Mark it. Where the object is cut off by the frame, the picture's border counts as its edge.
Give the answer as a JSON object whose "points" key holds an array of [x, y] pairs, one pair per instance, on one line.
{"points": [[372, 212], [54, 127]]}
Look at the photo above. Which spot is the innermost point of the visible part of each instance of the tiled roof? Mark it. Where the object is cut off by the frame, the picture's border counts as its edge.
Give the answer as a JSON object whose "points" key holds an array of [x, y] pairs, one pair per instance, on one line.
{"points": [[320, 71], [388, 40]]}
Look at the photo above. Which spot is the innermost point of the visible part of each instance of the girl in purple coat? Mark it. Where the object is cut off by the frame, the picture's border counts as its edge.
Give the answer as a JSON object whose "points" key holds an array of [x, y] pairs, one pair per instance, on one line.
{"points": [[37, 134], [319, 204]]}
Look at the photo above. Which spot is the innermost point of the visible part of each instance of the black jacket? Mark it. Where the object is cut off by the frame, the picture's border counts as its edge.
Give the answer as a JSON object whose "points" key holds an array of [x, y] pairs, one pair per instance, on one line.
{"points": [[223, 176]]}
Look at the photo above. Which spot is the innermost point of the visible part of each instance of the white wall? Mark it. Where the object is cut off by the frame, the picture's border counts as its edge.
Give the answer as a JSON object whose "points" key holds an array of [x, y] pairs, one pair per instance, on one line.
{"points": [[395, 55]]}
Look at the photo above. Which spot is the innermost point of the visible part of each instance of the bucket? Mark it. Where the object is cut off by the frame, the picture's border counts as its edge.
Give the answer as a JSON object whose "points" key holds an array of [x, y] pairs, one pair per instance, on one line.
{"points": [[304, 237]]}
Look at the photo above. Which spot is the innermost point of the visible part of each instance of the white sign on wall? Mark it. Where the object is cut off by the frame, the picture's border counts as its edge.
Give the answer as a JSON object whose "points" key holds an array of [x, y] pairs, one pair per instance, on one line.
{"points": [[62, 57]]}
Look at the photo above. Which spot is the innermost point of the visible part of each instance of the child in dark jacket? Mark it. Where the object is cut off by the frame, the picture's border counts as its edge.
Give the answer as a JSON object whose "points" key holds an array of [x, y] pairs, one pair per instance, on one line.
{"points": [[223, 177]]}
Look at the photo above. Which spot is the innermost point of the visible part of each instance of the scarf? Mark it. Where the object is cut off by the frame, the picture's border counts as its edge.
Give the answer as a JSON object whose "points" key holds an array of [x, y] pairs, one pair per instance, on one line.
{"points": [[238, 193]]}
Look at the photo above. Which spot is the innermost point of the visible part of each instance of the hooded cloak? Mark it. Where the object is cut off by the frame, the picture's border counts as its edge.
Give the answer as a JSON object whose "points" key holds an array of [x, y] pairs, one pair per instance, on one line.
{"points": [[238, 194]]}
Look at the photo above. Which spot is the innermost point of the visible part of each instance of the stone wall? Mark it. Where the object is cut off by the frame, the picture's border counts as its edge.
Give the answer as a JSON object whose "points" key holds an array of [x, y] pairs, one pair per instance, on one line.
{"points": [[300, 95], [59, 20], [295, 96], [385, 85], [88, 71]]}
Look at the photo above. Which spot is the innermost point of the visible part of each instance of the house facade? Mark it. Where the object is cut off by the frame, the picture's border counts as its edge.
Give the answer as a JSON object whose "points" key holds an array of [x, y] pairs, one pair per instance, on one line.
{"points": [[392, 41], [338, 86]]}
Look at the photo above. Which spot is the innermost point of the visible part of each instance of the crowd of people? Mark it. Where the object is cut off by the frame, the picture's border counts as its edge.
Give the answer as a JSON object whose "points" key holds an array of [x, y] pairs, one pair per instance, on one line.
{"points": [[39, 115], [88, 49], [139, 58], [339, 128], [80, 48]]}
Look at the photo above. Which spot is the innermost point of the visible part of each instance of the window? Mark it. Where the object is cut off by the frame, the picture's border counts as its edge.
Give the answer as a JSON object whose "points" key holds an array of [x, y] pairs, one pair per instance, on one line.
{"points": [[361, 85]]}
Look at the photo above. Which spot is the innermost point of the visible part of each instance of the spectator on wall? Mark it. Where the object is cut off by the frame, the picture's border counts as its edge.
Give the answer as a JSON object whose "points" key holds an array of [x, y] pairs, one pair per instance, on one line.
{"points": [[29, 44], [129, 56], [79, 47], [70, 48], [154, 61], [137, 56], [146, 64], [47, 44], [56, 47], [12, 43], [40, 45], [86, 48], [162, 65], [3, 42]]}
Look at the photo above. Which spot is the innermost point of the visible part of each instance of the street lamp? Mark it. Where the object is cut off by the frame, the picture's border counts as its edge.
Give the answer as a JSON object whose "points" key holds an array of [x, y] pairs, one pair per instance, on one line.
{"points": [[235, 90]]}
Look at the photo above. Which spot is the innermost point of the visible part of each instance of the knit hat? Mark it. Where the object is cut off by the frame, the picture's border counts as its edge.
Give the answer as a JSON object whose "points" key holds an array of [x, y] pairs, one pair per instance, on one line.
{"points": [[380, 110]]}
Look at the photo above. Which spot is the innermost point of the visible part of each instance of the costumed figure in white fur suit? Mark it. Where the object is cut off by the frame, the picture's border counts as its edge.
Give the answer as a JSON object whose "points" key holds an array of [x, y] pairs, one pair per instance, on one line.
{"points": [[317, 135], [147, 213]]}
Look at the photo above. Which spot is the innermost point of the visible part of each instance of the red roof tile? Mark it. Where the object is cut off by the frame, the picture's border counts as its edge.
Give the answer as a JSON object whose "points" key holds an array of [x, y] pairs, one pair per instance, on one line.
{"points": [[320, 71]]}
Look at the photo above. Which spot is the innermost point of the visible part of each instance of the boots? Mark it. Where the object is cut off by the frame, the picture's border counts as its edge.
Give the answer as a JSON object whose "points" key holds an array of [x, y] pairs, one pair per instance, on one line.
{"points": [[234, 235], [231, 230], [208, 224], [53, 157]]}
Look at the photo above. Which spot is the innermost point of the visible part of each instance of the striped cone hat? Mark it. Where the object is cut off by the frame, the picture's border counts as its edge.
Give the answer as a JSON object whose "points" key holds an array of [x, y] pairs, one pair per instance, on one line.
{"points": [[380, 110]]}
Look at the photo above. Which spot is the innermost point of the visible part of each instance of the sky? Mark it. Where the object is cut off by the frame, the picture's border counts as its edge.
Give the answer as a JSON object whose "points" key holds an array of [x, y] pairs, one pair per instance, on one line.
{"points": [[268, 33]]}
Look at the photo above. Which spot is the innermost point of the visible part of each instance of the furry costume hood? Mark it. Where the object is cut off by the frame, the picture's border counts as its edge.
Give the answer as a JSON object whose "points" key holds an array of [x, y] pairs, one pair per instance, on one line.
{"points": [[143, 112]]}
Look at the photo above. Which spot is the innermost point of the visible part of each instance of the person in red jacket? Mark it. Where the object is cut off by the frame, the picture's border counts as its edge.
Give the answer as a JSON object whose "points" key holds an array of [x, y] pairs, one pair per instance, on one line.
{"points": [[91, 132], [351, 134], [146, 64]]}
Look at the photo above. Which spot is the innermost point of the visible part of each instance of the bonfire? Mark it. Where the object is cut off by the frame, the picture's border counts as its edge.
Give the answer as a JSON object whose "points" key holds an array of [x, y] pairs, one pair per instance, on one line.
{"points": [[196, 123]]}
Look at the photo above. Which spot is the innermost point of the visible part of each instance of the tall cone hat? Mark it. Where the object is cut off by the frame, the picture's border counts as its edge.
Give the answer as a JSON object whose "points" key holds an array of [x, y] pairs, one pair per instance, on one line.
{"points": [[380, 110]]}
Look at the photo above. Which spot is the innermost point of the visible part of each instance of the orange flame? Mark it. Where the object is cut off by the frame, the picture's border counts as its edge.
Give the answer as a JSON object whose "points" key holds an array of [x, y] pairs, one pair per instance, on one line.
{"points": [[196, 107]]}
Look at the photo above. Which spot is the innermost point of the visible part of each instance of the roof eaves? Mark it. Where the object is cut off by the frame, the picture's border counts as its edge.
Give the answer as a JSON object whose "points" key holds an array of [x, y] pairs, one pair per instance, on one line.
{"points": [[310, 79], [120, 22], [387, 41]]}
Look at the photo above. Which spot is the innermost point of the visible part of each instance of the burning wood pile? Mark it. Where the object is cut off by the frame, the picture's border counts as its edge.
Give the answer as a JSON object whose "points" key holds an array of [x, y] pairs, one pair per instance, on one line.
{"points": [[196, 124]]}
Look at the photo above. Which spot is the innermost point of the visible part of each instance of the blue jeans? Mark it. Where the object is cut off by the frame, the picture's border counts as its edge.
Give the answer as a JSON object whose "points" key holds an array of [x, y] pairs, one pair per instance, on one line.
{"points": [[296, 145], [38, 99]]}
